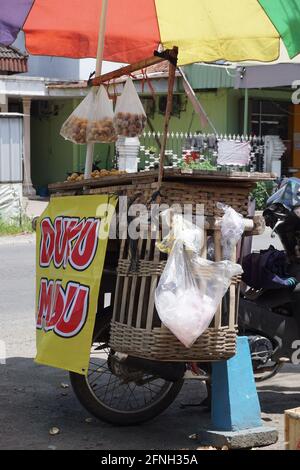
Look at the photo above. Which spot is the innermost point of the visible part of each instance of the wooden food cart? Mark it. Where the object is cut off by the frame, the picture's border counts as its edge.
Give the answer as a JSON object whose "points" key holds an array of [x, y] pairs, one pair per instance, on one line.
{"points": [[136, 328], [130, 345]]}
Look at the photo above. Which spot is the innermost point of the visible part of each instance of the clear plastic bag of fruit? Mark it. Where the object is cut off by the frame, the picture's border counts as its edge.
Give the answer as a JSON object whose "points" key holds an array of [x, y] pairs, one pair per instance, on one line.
{"points": [[75, 127], [100, 126], [130, 117]]}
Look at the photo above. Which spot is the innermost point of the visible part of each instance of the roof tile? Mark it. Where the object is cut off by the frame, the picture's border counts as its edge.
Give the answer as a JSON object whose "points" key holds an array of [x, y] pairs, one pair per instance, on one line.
{"points": [[12, 60]]}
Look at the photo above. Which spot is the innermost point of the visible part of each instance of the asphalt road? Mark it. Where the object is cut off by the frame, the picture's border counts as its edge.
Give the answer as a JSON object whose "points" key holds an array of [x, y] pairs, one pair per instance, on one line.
{"points": [[33, 400]]}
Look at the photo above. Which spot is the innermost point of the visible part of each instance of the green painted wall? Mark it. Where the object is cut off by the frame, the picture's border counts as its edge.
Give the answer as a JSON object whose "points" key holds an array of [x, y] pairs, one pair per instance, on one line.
{"points": [[232, 111], [52, 157], [214, 103], [285, 95]]}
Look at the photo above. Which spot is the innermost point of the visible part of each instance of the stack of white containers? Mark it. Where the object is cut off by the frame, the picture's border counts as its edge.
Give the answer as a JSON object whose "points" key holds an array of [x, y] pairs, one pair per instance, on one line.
{"points": [[128, 152]]}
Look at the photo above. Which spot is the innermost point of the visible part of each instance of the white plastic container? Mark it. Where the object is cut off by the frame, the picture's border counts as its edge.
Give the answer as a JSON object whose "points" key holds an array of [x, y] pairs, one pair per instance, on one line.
{"points": [[128, 150]]}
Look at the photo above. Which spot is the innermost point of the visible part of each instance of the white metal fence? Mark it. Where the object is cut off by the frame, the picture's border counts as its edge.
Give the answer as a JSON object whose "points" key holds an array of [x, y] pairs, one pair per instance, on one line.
{"points": [[179, 144]]}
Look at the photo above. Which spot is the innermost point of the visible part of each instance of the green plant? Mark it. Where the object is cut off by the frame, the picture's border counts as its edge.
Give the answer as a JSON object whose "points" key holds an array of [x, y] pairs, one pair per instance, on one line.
{"points": [[261, 194], [205, 165], [15, 226]]}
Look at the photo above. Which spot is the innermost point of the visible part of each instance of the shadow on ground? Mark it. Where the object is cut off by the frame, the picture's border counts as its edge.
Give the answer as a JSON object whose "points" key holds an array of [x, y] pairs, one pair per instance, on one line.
{"points": [[282, 392], [276, 401], [33, 400]]}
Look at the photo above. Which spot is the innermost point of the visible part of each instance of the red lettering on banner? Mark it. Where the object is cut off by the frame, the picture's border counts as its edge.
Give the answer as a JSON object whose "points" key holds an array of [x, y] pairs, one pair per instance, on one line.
{"points": [[63, 237], [75, 311], [63, 311], [45, 302], [85, 247], [47, 242], [69, 240]]}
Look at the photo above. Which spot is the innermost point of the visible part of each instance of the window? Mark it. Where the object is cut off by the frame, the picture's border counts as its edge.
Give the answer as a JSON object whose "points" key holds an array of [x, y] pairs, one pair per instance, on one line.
{"points": [[268, 117]]}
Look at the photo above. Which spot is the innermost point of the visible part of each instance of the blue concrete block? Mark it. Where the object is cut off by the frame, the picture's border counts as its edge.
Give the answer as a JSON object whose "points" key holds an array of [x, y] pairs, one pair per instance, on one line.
{"points": [[235, 404]]}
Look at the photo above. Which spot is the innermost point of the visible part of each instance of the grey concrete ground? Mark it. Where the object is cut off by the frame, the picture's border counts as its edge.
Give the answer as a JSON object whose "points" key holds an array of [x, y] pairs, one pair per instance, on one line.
{"points": [[32, 399]]}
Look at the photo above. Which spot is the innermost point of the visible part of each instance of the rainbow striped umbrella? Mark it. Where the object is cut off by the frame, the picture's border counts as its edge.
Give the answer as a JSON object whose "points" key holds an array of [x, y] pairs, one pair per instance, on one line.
{"points": [[203, 30]]}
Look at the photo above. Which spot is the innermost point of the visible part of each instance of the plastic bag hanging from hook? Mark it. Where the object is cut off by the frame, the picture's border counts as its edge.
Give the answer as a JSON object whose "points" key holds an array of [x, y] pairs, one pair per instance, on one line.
{"points": [[180, 227], [75, 127], [100, 124], [190, 291], [191, 288], [130, 117], [232, 229]]}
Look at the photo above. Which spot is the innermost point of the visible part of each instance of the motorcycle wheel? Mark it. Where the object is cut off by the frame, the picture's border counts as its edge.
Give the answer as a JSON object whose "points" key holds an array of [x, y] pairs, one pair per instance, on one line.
{"points": [[133, 399], [263, 376]]}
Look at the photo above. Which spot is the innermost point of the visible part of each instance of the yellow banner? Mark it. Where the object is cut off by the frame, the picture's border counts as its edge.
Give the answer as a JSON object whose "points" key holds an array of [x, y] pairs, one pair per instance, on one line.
{"points": [[72, 237]]}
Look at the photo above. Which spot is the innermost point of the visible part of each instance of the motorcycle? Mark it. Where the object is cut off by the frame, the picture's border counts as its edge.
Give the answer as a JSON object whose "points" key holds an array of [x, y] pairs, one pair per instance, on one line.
{"points": [[270, 316]]}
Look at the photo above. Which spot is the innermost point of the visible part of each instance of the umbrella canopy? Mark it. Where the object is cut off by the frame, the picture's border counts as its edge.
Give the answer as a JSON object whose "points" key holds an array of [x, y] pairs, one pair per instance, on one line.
{"points": [[203, 30]]}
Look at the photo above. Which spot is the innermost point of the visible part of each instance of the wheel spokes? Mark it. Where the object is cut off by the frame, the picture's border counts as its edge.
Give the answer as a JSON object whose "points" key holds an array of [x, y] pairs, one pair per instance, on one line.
{"points": [[117, 393]]}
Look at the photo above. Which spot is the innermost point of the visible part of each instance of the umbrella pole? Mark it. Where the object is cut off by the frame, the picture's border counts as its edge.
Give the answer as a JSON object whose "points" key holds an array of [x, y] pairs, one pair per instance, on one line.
{"points": [[101, 38], [171, 83]]}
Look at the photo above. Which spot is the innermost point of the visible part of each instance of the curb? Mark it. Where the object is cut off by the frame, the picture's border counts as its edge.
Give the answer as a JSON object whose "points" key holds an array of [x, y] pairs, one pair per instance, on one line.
{"points": [[27, 239]]}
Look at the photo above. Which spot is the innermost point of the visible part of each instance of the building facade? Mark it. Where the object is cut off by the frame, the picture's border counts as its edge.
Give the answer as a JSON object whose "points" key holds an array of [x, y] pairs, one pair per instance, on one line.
{"points": [[52, 87]]}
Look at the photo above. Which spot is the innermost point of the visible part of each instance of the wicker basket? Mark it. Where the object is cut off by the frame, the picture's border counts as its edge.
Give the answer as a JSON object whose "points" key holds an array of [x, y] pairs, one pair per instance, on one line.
{"points": [[201, 187], [161, 345], [207, 194], [136, 328]]}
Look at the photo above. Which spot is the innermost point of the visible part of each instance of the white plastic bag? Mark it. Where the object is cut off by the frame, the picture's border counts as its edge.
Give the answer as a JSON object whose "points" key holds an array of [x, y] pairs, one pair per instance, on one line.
{"points": [[100, 126], [75, 127], [180, 228], [130, 117], [232, 229], [190, 291]]}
